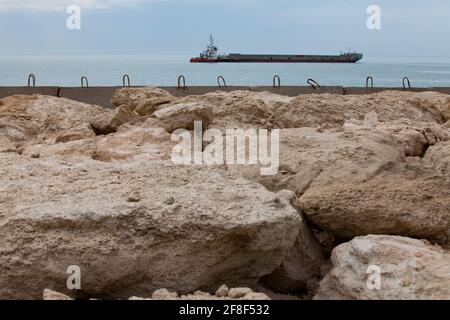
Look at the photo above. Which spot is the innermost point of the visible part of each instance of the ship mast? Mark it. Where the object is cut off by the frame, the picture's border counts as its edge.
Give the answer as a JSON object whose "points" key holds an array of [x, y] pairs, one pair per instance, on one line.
{"points": [[211, 50]]}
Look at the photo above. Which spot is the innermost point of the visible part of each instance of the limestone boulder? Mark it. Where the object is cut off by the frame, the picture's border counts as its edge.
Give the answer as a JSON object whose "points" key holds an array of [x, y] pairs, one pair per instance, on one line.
{"points": [[134, 143], [109, 122], [184, 115], [142, 141], [40, 118], [54, 296], [70, 150], [362, 181], [164, 294], [410, 202], [6, 145], [223, 294], [331, 111], [329, 156], [143, 101], [85, 186], [439, 156], [134, 228], [307, 153], [416, 137], [238, 109], [432, 101], [301, 268], [379, 267]]}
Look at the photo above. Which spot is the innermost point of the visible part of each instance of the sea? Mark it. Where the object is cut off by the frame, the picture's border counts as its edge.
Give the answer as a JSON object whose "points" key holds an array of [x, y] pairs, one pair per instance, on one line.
{"points": [[108, 70]]}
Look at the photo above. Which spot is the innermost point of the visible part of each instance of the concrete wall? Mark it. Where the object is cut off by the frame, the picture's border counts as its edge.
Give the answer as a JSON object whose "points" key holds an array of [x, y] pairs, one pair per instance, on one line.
{"points": [[293, 91], [199, 90], [439, 89], [10, 91], [356, 90], [102, 95], [93, 95]]}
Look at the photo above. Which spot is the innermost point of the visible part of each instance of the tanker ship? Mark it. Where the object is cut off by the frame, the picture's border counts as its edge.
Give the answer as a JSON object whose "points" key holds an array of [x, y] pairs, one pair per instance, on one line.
{"points": [[211, 55]]}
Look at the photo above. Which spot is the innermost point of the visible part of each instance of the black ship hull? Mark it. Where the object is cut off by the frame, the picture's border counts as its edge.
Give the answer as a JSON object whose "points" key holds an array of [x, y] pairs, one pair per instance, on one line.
{"points": [[258, 58]]}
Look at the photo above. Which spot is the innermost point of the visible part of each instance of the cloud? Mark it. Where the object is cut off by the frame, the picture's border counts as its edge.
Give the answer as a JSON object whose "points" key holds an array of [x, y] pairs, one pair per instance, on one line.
{"points": [[52, 5], [55, 5]]}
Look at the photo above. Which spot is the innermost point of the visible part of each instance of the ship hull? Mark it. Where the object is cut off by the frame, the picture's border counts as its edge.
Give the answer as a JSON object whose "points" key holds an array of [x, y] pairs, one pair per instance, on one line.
{"points": [[204, 60], [248, 58], [280, 61]]}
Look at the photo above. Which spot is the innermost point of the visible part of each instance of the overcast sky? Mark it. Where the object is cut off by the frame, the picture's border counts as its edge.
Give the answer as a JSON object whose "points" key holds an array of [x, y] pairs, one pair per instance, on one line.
{"points": [[182, 27]]}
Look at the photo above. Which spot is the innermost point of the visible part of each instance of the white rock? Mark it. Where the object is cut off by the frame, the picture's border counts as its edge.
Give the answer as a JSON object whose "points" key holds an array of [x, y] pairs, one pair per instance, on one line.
{"points": [[237, 293], [408, 269], [228, 229], [53, 295]]}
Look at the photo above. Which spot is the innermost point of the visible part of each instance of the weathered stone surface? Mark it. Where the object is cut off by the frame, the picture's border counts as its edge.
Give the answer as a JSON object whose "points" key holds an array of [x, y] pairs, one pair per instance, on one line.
{"points": [[231, 294], [443, 105], [408, 202], [6, 145], [143, 101], [307, 153], [256, 296], [301, 268], [54, 296], [410, 269], [362, 180], [238, 109], [222, 291], [109, 122], [59, 213], [164, 294], [331, 111], [183, 115], [398, 196], [415, 137], [116, 206], [142, 141], [134, 143], [245, 109], [71, 150], [439, 156], [239, 292], [39, 118]]}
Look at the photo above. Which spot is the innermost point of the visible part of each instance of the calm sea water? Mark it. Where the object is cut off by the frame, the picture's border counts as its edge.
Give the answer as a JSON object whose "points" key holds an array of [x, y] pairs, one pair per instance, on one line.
{"points": [[153, 70]]}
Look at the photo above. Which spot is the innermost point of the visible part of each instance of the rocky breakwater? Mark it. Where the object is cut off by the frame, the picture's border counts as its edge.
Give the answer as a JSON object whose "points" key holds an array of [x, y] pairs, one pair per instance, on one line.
{"points": [[96, 188], [115, 206]]}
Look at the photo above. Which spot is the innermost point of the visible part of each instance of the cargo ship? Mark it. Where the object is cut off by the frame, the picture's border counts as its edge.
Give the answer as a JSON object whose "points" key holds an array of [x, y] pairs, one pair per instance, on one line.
{"points": [[211, 55]]}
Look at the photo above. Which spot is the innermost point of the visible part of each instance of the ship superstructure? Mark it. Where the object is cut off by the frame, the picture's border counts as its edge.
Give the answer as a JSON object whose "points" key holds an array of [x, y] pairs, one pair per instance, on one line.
{"points": [[210, 54]]}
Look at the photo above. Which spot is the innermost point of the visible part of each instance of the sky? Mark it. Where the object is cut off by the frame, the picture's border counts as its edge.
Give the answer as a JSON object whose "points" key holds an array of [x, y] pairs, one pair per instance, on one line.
{"points": [[182, 27]]}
